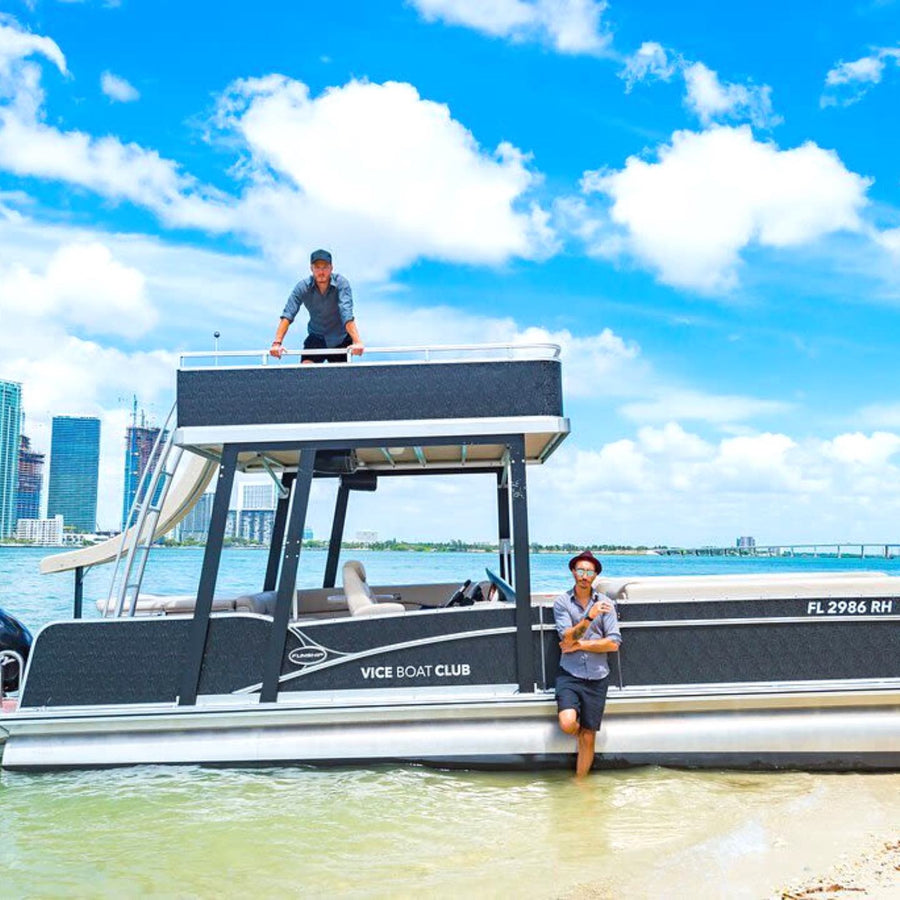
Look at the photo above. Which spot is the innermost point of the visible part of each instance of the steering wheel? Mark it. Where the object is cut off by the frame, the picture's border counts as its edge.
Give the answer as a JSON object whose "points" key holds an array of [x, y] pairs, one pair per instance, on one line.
{"points": [[458, 597]]}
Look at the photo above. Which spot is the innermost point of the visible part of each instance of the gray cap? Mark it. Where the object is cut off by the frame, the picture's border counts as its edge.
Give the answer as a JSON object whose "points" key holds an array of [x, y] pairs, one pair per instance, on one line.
{"points": [[317, 255]]}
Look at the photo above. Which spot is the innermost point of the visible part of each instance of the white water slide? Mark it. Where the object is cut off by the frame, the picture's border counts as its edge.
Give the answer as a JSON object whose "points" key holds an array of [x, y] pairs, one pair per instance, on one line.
{"points": [[190, 481]]}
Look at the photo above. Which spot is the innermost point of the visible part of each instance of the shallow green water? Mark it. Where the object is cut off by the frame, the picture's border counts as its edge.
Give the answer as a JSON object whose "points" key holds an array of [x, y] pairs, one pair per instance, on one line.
{"points": [[409, 831], [190, 832]]}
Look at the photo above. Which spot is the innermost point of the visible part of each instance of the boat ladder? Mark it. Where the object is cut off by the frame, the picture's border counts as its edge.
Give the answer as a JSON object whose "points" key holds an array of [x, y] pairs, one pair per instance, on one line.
{"points": [[139, 532]]}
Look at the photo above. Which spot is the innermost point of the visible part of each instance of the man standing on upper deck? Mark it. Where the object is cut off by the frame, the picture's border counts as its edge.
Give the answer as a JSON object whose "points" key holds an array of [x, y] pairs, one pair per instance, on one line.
{"points": [[329, 302], [589, 629]]}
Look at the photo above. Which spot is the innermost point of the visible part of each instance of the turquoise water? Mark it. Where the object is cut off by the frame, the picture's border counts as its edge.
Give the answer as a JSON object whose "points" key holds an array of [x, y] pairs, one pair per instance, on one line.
{"points": [[37, 599], [408, 831]]}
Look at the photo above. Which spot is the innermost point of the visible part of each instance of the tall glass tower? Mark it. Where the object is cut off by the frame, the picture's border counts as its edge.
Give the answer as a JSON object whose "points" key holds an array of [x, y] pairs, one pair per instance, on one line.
{"points": [[10, 426], [74, 471]]}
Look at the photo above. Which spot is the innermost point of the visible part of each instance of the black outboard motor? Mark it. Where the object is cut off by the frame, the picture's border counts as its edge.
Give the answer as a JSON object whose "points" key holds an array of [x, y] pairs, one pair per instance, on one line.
{"points": [[13, 636]]}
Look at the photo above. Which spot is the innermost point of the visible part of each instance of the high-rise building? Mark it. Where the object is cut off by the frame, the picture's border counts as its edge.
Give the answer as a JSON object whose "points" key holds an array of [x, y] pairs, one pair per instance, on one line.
{"points": [[139, 443], [256, 525], [31, 481], [195, 525], [74, 471], [41, 531], [257, 514], [10, 424], [258, 496]]}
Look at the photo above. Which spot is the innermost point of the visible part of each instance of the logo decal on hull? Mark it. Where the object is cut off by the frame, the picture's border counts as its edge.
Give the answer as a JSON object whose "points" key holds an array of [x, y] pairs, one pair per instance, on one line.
{"points": [[308, 656], [310, 652]]}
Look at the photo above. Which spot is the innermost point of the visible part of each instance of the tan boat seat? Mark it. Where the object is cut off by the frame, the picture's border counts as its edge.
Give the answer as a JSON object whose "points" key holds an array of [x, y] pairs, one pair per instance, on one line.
{"points": [[360, 599]]}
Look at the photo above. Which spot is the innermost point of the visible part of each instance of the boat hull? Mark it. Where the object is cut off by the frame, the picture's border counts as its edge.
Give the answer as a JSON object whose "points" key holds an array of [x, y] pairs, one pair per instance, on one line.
{"points": [[814, 730]]}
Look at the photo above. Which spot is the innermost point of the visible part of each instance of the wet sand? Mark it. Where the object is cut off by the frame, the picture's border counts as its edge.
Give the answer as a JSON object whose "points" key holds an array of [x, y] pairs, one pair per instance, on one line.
{"points": [[807, 837]]}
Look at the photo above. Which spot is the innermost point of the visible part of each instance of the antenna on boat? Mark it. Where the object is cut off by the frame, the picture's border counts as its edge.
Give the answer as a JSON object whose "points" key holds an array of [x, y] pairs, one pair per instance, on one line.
{"points": [[216, 335]]}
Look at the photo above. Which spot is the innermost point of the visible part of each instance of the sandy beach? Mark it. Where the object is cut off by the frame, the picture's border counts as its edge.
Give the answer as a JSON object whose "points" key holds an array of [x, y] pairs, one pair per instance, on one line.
{"points": [[875, 872]]}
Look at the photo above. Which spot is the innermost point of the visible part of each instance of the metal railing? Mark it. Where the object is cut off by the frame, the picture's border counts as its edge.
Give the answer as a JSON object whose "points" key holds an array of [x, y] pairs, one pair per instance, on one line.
{"points": [[410, 354]]}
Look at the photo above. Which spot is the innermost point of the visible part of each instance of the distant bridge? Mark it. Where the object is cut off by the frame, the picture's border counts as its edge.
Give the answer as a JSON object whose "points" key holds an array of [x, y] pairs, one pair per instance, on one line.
{"points": [[835, 551]]}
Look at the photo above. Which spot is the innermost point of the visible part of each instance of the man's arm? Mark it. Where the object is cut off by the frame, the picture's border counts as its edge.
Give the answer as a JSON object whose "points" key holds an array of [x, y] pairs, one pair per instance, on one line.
{"points": [[345, 308], [357, 347], [598, 645], [612, 637], [277, 348], [573, 634], [291, 308]]}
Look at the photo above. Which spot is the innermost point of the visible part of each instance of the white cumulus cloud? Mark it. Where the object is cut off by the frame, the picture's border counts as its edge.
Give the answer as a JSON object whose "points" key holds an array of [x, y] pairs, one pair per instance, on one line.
{"points": [[117, 88], [650, 61], [569, 26], [706, 95], [378, 173], [712, 100], [848, 82], [709, 195], [17, 43], [779, 488], [84, 286]]}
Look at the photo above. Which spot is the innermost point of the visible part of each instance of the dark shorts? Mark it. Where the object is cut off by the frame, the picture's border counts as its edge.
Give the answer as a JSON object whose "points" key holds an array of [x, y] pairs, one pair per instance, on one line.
{"points": [[587, 698], [314, 342]]}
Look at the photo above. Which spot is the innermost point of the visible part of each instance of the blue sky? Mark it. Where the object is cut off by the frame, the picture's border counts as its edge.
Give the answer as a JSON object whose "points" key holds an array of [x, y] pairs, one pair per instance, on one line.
{"points": [[699, 201]]}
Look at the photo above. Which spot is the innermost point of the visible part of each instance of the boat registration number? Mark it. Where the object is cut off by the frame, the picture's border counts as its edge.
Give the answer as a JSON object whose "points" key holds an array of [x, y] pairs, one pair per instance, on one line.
{"points": [[850, 607]]}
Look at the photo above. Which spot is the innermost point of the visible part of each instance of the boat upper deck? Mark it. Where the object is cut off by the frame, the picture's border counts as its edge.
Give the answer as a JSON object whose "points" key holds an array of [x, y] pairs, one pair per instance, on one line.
{"points": [[400, 407]]}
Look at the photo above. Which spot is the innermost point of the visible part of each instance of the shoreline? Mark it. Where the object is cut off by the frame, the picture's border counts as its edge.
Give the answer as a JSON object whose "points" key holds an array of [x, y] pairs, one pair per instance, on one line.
{"points": [[874, 872]]}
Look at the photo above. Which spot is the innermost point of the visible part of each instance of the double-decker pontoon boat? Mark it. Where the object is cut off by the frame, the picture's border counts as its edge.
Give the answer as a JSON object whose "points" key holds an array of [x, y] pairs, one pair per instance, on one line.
{"points": [[749, 671]]}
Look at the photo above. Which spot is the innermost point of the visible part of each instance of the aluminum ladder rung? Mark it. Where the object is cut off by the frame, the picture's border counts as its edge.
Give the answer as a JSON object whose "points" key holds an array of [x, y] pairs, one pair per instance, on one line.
{"points": [[142, 520]]}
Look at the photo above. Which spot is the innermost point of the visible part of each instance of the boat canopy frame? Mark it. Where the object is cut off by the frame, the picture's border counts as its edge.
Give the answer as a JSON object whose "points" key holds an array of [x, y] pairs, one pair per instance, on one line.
{"points": [[287, 540]]}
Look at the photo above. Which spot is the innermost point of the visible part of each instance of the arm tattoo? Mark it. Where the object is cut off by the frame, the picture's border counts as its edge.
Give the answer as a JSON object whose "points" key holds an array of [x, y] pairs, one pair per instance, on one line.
{"points": [[581, 628]]}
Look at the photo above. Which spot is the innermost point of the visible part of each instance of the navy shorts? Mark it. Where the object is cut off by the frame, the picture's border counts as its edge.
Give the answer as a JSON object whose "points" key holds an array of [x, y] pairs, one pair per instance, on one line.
{"points": [[314, 342], [587, 698]]}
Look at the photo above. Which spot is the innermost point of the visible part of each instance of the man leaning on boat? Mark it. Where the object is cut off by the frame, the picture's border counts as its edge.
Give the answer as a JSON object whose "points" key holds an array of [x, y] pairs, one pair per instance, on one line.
{"points": [[329, 302], [589, 629]]}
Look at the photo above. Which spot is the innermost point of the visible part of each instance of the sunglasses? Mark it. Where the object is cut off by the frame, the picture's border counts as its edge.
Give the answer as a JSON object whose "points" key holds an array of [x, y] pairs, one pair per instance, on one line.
{"points": [[583, 573]]}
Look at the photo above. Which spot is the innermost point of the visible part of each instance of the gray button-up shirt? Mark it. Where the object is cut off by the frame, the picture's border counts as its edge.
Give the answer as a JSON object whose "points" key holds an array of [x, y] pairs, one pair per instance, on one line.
{"points": [[567, 611], [328, 313]]}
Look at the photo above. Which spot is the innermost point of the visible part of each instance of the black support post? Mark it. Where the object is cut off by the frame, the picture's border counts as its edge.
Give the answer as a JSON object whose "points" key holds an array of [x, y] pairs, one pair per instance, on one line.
{"points": [[287, 582], [79, 592], [276, 547], [522, 580], [196, 646], [503, 532], [337, 534]]}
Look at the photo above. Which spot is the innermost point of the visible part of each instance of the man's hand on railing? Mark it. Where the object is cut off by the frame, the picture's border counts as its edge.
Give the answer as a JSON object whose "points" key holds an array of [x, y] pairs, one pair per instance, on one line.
{"points": [[356, 348], [276, 350]]}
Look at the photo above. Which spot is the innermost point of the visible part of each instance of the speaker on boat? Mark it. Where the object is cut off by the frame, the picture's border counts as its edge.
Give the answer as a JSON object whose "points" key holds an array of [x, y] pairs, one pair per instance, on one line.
{"points": [[360, 481], [13, 636], [336, 462]]}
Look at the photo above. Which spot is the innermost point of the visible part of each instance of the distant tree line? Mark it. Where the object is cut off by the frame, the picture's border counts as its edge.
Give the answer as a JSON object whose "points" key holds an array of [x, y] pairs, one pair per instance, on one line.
{"points": [[454, 546]]}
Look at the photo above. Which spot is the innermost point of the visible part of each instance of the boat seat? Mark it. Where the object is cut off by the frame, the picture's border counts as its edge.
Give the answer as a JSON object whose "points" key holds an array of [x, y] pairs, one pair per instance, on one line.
{"points": [[261, 603], [360, 599], [164, 604]]}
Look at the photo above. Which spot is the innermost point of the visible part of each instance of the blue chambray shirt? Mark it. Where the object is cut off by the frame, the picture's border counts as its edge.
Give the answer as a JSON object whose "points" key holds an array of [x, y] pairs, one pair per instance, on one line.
{"points": [[328, 312], [567, 611]]}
